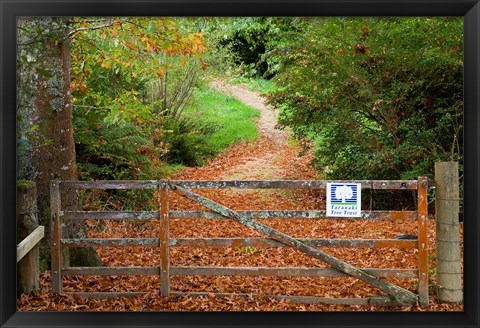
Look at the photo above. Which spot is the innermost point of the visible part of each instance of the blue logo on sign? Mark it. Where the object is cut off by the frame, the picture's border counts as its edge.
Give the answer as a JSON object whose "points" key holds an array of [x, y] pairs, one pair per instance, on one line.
{"points": [[344, 194]]}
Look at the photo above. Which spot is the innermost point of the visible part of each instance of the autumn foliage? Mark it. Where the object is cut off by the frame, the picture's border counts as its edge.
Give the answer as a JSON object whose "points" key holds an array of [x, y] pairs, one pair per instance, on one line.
{"points": [[365, 110]]}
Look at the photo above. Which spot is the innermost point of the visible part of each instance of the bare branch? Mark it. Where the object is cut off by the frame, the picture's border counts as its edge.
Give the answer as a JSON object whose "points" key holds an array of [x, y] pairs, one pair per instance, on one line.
{"points": [[93, 28]]}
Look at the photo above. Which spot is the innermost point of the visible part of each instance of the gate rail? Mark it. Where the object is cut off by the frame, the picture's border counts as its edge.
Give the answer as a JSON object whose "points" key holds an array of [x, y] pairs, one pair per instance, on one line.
{"points": [[164, 242]]}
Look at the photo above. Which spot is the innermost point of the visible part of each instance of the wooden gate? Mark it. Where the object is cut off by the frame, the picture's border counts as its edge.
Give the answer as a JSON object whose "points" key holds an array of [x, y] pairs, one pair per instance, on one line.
{"points": [[396, 295]]}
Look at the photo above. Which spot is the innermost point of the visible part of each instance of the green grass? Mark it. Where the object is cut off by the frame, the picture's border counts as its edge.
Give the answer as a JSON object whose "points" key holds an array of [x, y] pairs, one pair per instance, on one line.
{"points": [[261, 85], [256, 84], [227, 119]]}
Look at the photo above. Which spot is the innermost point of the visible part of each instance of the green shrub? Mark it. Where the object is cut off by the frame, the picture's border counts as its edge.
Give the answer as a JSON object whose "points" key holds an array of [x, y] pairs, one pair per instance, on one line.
{"points": [[187, 143], [109, 151], [380, 97], [244, 46], [129, 150]]}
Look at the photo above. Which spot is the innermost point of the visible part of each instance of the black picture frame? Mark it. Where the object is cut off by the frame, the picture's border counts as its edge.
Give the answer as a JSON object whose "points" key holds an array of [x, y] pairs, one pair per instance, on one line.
{"points": [[9, 10]]}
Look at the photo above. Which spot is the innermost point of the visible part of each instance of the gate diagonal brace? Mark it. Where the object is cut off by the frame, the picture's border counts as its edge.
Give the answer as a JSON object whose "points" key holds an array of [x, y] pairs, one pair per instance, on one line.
{"points": [[399, 294]]}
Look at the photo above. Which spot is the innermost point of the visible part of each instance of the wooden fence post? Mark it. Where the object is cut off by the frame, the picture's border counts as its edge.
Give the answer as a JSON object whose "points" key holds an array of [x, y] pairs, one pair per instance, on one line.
{"points": [[422, 204], [449, 275], [164, 240], [56, 234], [28, 271]]}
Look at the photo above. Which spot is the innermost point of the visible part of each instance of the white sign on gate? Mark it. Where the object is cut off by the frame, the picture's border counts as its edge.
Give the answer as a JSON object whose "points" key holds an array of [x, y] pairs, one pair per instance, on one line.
{"points": [[344, 199]]}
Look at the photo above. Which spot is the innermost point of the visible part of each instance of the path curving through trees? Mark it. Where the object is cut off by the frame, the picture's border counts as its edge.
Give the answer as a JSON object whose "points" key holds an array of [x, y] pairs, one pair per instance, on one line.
{"points": [[272, 156]]}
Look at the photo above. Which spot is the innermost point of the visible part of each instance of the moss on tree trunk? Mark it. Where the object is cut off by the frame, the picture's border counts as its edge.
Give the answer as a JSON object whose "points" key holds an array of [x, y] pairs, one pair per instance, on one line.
{"points": [[54, 158]]}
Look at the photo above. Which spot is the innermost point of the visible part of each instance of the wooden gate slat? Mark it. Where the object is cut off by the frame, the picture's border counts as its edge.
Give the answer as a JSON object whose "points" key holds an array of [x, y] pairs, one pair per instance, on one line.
{"points": [[110, 215], [314, 242], [110, 184], [374, 300], [401, 295], [285, 272], [286, 214], [110, 242], [293, 184], [111, 271]]}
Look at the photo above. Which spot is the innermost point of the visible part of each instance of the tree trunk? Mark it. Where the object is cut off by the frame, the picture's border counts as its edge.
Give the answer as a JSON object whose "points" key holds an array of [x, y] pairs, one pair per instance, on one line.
{"points": [[55, 159]]}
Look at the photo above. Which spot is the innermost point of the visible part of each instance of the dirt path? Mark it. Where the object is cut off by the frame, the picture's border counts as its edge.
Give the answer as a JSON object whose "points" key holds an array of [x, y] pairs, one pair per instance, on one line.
{"points": [[268, 115], [272, 141], [272, 156]]}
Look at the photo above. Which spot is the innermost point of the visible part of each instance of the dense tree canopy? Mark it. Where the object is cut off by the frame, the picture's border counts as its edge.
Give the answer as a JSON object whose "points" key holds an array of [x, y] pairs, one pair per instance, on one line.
{"points": [[378, 97]]}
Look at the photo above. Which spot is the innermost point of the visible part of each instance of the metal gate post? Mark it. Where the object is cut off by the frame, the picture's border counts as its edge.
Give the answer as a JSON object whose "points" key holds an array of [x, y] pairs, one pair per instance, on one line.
{"points": [[164, 240], [422, 212]]}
